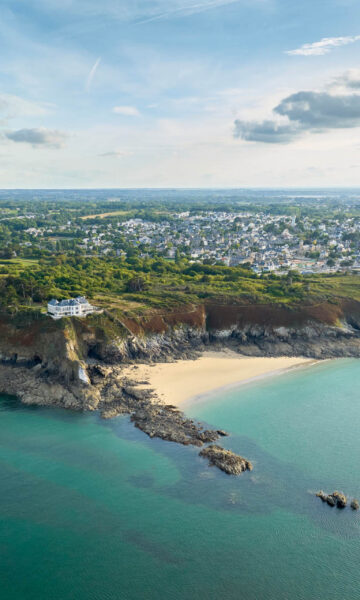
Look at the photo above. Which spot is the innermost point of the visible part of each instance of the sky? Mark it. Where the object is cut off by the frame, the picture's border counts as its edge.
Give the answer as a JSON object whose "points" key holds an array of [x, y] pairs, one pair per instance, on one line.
{"points": [[179, 93]]}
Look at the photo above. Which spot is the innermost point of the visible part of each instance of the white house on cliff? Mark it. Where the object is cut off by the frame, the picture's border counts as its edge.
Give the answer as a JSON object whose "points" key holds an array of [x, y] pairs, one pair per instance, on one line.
{"points": [[75, 307]]}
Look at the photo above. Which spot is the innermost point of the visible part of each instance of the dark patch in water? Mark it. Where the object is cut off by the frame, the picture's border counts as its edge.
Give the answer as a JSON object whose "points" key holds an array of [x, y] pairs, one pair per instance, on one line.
{"points": [[10, 403], [143, 480], [157, 550]]}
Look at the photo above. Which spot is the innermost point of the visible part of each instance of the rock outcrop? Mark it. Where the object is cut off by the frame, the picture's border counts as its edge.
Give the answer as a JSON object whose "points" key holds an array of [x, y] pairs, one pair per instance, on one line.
{"points": [[227, 461], [321, 494], [32, 386], [335, 499], [340, 499], [119, 395]]}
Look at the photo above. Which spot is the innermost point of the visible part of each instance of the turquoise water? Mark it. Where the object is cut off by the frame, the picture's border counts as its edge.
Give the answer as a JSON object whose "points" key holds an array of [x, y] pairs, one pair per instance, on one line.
{"points": [[95, 510]]}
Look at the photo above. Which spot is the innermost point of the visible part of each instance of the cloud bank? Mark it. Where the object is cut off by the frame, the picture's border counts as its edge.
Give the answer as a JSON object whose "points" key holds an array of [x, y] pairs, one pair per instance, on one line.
{"points": [[269, 132], [321, 110], [302, 112], [350, 79], [324, 46]]}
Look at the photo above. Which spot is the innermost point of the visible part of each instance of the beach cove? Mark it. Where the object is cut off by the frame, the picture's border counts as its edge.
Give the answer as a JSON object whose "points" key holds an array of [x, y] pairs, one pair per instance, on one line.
{"points": [[182, 382]]}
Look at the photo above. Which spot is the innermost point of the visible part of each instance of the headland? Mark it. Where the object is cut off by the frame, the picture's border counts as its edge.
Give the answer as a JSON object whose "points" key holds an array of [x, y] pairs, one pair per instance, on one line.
{"points": [[103, 362]]}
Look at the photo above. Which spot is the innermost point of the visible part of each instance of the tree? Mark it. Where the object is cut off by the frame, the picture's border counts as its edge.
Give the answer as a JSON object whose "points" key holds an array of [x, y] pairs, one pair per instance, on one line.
{"points": [[136, 284]]}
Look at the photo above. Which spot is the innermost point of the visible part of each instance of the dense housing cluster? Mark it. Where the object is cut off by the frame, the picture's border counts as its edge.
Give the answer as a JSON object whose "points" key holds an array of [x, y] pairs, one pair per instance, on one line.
{"points": [[308, 237], [265, 242]]}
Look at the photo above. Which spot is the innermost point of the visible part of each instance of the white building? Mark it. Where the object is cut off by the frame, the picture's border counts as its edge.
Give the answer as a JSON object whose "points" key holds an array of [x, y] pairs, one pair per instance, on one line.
{"points": [[75, 307]]}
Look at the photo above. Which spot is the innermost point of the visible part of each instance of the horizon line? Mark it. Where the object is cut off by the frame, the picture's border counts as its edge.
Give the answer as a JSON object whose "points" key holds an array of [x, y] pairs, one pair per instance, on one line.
{"points": [[176, 188]]}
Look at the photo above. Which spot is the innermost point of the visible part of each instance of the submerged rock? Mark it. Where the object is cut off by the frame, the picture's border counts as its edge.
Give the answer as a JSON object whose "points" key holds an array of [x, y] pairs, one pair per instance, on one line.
{"points": [[233, 498], [225, 460]]}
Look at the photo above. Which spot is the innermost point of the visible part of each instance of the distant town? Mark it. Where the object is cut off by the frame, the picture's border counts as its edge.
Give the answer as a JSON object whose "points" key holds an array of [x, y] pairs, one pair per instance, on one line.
{"points": [[263, 241]]}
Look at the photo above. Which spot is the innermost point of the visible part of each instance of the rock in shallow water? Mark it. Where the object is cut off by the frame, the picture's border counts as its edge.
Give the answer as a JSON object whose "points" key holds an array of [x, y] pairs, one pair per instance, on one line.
{"points": [[227, 461], [340, 499], [330, 500], [335, 499], [355, 504], [322, 495]]}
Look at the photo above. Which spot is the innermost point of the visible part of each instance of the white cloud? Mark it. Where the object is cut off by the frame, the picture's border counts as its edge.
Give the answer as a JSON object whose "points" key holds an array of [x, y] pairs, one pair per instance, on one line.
{"points": [[116, 154], [303, 111], [91, 74], [51, 138], [139, 11], [185, 9], [324, 46], [13, 106], [348, 80], [127, 111]]}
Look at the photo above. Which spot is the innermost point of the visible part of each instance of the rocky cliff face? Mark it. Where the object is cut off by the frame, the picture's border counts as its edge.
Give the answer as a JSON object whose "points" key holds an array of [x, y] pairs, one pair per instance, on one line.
{"points": [[51, 362], [319, 331], [42, 362]]}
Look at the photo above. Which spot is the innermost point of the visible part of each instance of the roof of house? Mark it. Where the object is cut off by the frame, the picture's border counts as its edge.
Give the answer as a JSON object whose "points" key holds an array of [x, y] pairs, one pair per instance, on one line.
{"points": [[70, 302]]}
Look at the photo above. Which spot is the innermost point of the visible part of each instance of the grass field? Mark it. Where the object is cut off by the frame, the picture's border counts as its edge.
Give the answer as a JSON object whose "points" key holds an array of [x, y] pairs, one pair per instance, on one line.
{"points": [[20, 262], [340, 286], [122, 213], [115, 213]]}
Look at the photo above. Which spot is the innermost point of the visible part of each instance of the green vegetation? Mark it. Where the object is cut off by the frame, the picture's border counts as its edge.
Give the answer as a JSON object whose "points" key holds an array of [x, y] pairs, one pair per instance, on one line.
{"points": [[157, 283]]}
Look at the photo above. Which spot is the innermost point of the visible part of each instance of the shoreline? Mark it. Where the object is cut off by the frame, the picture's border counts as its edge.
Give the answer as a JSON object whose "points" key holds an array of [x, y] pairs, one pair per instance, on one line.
{"points": [[199, 399], [187, 382]]}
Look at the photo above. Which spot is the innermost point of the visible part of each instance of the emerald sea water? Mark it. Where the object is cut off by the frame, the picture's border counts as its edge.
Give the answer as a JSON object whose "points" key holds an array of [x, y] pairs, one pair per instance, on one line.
{"points": [[95, 510]]}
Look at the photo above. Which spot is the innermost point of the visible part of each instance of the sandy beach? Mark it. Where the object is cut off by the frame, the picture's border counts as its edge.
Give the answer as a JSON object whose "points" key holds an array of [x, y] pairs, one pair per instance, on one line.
{"points": [[182, 382]]}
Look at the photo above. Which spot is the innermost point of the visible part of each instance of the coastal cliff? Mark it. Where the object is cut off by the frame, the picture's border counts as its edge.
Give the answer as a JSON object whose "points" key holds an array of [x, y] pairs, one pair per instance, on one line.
{"points": [[38, 354], [79, 363]]}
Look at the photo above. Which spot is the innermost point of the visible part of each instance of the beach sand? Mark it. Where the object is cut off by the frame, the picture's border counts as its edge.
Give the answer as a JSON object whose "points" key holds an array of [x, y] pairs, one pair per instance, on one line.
{"points": [[181, 382]]}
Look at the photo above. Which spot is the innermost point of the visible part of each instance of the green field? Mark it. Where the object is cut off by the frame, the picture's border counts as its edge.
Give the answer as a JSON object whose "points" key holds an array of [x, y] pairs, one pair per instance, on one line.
{"points": [[23, 263]]}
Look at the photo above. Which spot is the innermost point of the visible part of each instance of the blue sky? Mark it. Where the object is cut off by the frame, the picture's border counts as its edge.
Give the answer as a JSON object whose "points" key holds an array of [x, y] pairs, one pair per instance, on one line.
{"points": [[185, 93]]}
